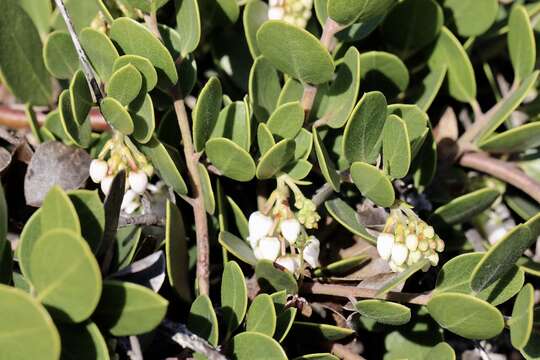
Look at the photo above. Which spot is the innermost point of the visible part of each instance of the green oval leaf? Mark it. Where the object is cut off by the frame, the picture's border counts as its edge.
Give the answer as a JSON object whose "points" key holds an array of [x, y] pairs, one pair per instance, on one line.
{"points": [[25, 321], [326, 164], [341, 267], [501, 257], [58, 212], [384, 312], [229, 158], [261, 316], [518, 139], [347, 216], [373, 184], [472, 17], [80, 97], [466, 315], [29, 235], [275, 159], [441, 351], [82, 342], [78, 134], [91, 215], [264, 88], [521, 323], [363, 133], [265, 139], [284, 323], [250, 345], [125, 84], [465, 207], [144, 122], [384, 72], [65, 275], [287, 120], [117, 115], [455, 277], [255, 14], [302, 56], [272, 279], [21, 63], [233, 296], [143, 65], [321, 331], [234, 123], [100, 51], [237, 247], [127, 309], [206, 112], [347, 12], [396, 148], [176, 252], [188, 25], [521, 42], [202, 319], [60, 56]]}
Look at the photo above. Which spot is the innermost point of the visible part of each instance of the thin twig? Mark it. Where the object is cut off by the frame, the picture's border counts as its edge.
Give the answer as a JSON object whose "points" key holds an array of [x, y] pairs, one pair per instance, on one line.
{"points": [[199, 211], [144, 219], [322, 194], [502, 170], [188, 340], [356, 292]]}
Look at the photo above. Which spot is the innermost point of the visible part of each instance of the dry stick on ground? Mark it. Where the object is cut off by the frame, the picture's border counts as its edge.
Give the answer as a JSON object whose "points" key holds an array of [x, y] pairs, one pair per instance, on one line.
{"points": [[185, 338], [356, 292]]}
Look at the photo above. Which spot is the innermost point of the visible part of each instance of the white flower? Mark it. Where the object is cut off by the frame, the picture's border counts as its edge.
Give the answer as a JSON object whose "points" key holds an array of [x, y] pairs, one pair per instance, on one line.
{"points": [[433, 258], [429, 232], [290, 229], [311, 251], [259, 226], [399, 254], [106, 184], [276, 13], [385, 243], [130, 202], [98, 170], [268, 248], [138, 181], [411, 241], [289, 262]]}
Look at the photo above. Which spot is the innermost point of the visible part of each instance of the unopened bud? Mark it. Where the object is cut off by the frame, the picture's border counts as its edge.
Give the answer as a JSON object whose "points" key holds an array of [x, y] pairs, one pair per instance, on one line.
{"points": [[433, 258], [385, 243], [268, 248], [98, 170], [411, 241], [311, 251], [289, 262], [290, 229], [423, 245], [429, 232], [276, 13], [399, 254], [440, 245], [138, 181], [106, 184]]}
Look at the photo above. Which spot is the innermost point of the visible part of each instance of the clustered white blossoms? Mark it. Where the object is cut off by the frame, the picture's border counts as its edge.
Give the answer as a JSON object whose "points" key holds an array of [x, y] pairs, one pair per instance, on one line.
{"points": [[278, 229], [406, 240], [121, 155], [296, 12]]}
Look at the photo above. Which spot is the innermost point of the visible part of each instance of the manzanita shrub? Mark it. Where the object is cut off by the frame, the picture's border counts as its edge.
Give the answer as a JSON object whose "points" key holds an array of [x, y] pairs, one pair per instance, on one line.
{"points": [[247, 180]]}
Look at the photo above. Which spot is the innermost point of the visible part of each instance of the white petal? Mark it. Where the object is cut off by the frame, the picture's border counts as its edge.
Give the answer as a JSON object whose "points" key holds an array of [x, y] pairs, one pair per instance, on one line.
{"points": [[385, 243], [411, 241], [259, 226], [131, 207], [399, 254], [429, 232], [128, 198], [138, 181], [290, 263], [290, 229], [433, 258], [268, 248], [311, 251], [276, 13], [106, 184], [98, 170]]}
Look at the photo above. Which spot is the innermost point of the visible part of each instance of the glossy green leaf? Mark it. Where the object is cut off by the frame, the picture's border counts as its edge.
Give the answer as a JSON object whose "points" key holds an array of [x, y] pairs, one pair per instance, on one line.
{"points": [[507, 105], [229, 158], [275, 159], [363, 132], [91, 215], [466, 315], [384, 72], [461, 80], [136, 39], [82, 342], [206, 112], [234, 123], [100, 51], [518, 139], [501, 257], [208, 192], [65, 274], [408, 36], [472, 17], [237, 247], [125, 84], [273, 279], [165, 165], [117, 115], [396, 148], [287, 120], [144, 122], [143, 65], [80, 97], [21, 63], [337, 101], [25, 321], [347, 216], [373, 184], [60, 56], [321, 331], [264, 88], [261, 316], [233, 296], [202, 319], [326, 164], [521, 322], [176, 252], [455, 275], [188, 25], [127, 309], [347, 12], [465, 207], [284, 323], [251, 345], [384, 312], [255, 14], [521, 42], [302, 56], [78, 134]]}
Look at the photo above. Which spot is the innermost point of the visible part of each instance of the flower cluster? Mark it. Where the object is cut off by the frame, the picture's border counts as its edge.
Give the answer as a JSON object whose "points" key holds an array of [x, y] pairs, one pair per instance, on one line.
{"points": [[279, 228], [406, 240], [296, 12], [121, 155]]}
